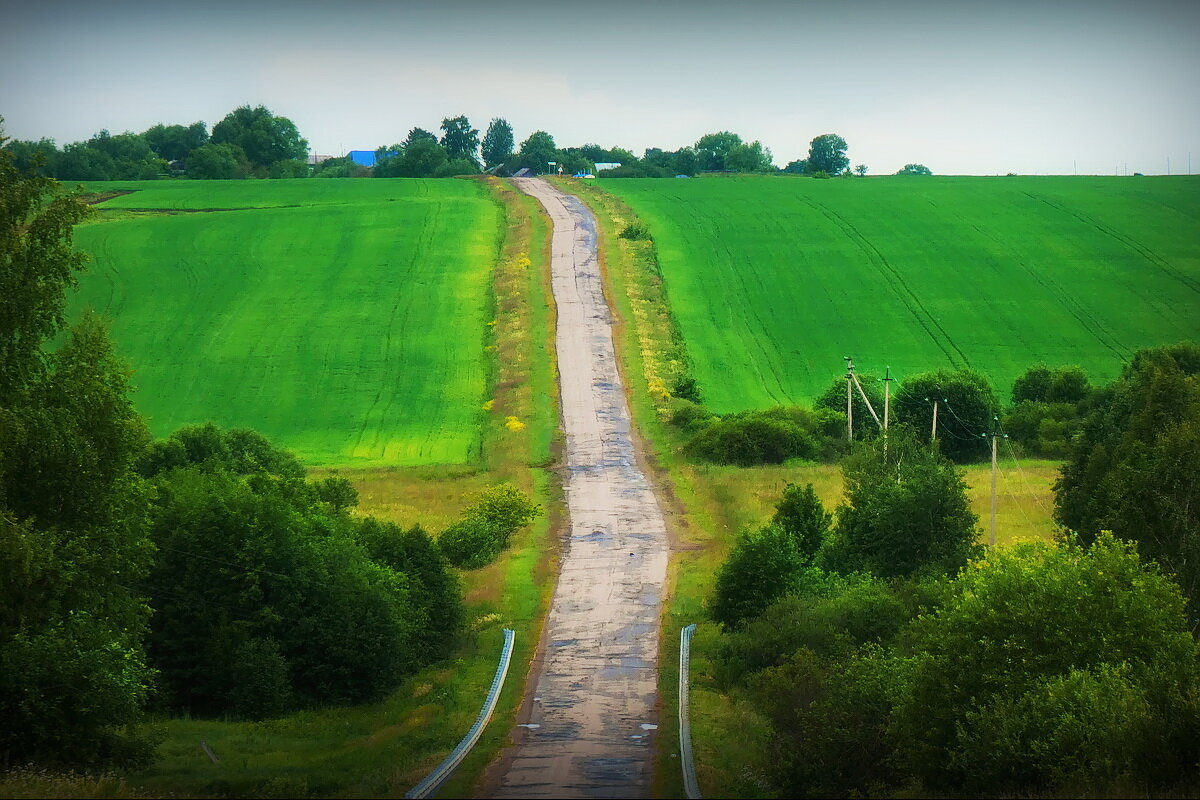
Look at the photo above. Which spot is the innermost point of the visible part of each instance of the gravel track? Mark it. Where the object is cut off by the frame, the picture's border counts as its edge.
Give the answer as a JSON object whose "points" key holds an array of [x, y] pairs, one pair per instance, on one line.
{"points": [[594, 719]]}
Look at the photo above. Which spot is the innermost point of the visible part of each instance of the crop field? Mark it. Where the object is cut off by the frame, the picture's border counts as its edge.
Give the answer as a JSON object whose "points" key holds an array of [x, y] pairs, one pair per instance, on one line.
{"points": [[345, 320], [773, 280]]}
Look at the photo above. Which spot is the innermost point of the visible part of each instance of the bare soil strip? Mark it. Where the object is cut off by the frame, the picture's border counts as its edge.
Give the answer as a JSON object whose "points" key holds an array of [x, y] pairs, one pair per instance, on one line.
{"points": [[593, 720]]}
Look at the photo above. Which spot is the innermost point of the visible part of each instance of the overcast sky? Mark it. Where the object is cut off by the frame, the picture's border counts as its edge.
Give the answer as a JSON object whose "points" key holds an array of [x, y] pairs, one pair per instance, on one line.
{"points": [[962, 86]]}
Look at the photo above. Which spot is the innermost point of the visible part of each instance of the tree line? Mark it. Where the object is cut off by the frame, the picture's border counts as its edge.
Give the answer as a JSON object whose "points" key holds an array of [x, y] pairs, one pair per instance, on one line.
{"points": [[253, 142], [204, 573], [891, 654]]}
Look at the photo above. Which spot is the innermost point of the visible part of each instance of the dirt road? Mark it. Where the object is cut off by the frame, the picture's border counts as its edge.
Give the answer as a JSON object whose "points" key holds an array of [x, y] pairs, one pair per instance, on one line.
{"points": [[593, 722]]}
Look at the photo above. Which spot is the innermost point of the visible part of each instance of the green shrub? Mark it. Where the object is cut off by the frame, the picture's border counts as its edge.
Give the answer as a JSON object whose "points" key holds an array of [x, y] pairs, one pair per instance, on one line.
{"points": [[488, 524], [771, 436], [966, 406], [635, 231], [801, 514], [762, 567]]}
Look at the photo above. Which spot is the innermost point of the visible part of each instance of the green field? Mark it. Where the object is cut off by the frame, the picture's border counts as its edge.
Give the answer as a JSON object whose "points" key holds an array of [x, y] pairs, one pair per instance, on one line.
{"points": [[345, 320], [773, 280]]}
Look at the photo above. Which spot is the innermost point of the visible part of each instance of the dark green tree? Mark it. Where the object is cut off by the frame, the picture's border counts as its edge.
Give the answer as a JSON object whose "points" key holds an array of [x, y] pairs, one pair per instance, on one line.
{"points": [[175, 142], [73, 675], [762, 567], [214, 161], [460, 140], [264, 137], [1051, 667], [905, 512], [914, 169], [1134, 467], [966, 411], [751, 157], [416, 135], [801, 514], [713, 148], [421, 159], [537, 151], [834, 399], [498, 143], [827, 153]]}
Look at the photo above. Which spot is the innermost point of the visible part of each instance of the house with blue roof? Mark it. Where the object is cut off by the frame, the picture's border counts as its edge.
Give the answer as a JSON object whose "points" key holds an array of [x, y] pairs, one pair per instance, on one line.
{"points": [[364, 158]]}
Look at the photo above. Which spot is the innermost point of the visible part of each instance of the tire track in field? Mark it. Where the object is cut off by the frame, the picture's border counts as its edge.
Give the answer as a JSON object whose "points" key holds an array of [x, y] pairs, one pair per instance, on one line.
{"points": [[1134, 245], [899, 287], [1086, 319]]}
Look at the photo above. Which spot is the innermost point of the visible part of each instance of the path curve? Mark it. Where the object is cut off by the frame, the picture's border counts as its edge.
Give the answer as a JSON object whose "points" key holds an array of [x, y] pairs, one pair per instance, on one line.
{"points": [[593, 719]]}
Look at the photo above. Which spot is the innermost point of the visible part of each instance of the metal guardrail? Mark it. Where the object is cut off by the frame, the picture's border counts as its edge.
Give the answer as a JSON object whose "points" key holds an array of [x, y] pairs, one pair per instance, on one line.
{"points": [[443, 771], [691, 786]]}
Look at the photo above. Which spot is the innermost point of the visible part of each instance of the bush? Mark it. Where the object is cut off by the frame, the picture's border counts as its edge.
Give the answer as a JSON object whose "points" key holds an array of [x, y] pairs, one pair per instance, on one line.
{"points": [[966, 407], [800, 513], [834, 399], [762, 567], [764, 437], [635, 231], [1041, 651], [906, 511], [487, 525], [688, 415]]}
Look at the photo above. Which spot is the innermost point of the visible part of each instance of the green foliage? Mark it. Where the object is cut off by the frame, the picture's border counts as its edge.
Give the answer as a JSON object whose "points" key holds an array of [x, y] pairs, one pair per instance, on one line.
{"points": [[1134, 466], [762, 567], [1020, 679], [343, 167], [834, 399], [905, 512], [73, 675], [861, 170], [712, 150], [175, 142], [765, 437], [801, 514], [264, 137], [966, 407], [1044, 429], [454, 167], [827, 153], [461, 142], [537, 151], [498, 143], [636, 231], [217, 161], [289, 168], [750, 157], [1042, 384], [487, 526], [914, 169], [269, 596]]}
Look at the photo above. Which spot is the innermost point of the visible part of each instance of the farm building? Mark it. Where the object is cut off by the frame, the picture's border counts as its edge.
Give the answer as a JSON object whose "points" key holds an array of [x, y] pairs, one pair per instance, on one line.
{"points": [[364, 158]]}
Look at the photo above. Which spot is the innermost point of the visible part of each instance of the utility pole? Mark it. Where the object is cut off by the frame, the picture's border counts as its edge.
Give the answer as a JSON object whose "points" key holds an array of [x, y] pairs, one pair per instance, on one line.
{"points": [[887, 397], [995, 438], [849, 399], [933, 431]]}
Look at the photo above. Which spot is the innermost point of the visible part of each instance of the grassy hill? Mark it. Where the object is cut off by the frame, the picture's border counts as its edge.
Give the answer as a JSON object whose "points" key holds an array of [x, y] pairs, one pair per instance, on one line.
{"points": [[773, 279], [345, 320]]}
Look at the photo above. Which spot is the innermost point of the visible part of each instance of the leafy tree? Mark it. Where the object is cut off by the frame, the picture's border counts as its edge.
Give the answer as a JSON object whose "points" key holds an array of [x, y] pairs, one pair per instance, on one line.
{"points": [[905, 512], [713, 148], [763, 566], [1133, 468], [498, 143], [1044, 385], [264, 137], [460, 140], [79, 162], [33, 157], [861, 170], [269, 596], [797, 167], [764, 437], [343, 167], [834, 399], [1051, 667], [457, 166], [417, 134], [73, 675], [421, 159], [487, 526], [801, 514], [537, 151], [752, 157], [914, 169], [827, 153], [215, 161], [175, 142], [966, 407]]}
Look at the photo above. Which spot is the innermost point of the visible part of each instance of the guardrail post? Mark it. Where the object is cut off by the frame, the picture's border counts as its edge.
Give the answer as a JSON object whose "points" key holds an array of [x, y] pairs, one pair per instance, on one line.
{"points": [[691, 786], [443, 771]]}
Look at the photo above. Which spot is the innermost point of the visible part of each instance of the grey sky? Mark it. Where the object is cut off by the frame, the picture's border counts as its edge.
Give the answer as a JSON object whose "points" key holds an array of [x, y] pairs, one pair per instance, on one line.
{"points": [[964, 87]]}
